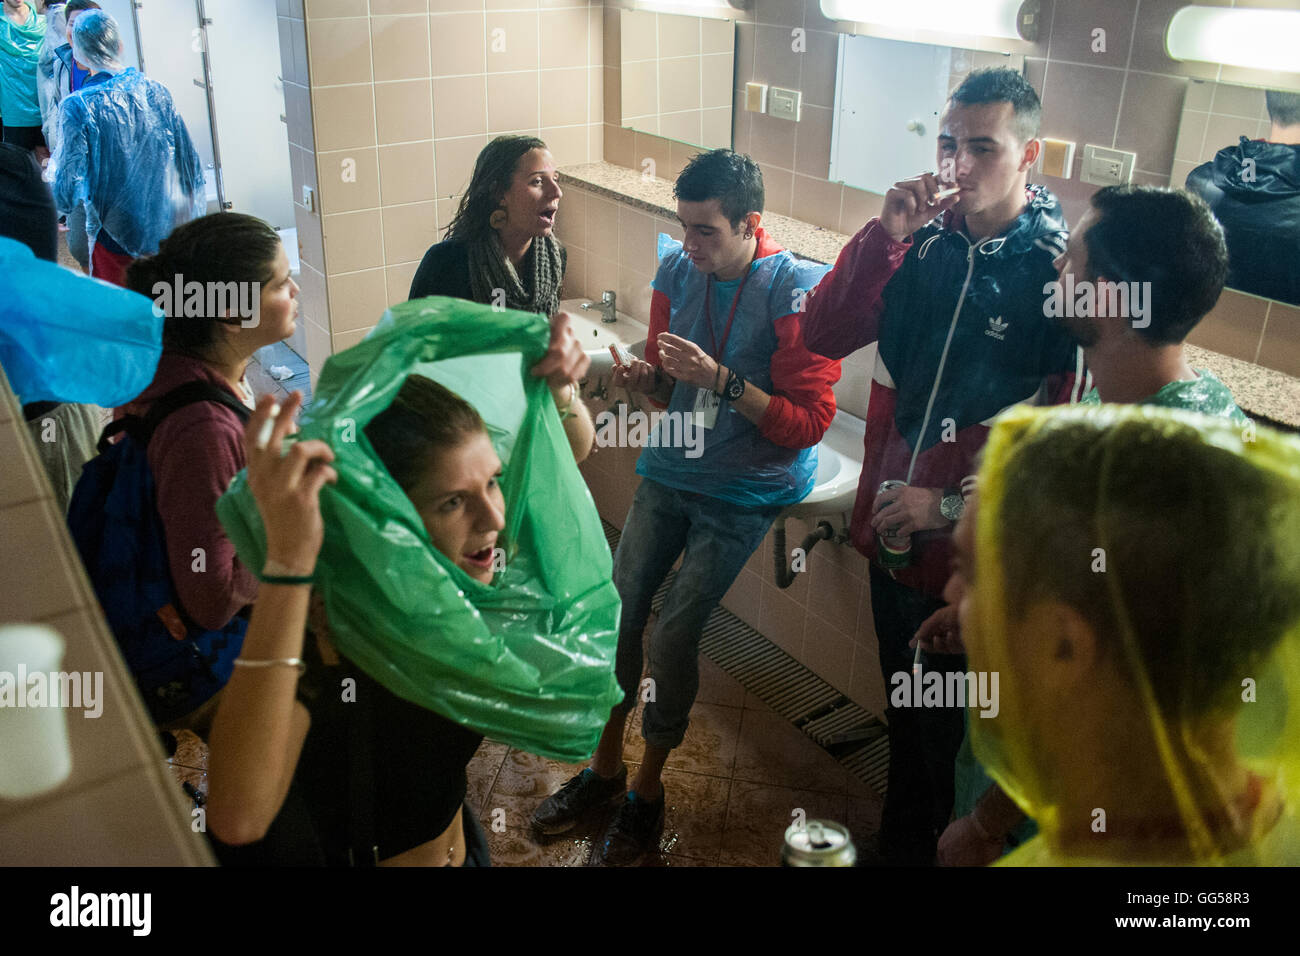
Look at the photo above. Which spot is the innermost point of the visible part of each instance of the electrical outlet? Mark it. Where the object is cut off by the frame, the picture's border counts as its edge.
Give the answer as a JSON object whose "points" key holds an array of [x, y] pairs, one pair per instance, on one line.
{"points": [[1107, 167], [756, 97], [309, 198], [784, 104]]}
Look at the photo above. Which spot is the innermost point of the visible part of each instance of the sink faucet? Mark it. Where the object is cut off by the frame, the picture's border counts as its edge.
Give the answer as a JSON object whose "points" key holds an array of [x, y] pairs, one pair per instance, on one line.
{"points": [[606, 307]]}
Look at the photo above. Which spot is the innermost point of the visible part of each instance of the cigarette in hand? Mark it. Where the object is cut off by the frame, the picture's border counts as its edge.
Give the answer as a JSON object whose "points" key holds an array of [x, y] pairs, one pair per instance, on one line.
{"points": [[264, 436], [945, 193]]}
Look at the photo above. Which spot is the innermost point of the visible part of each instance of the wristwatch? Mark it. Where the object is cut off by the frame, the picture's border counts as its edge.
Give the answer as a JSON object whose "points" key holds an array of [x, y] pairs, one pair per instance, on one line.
{"points": [[734, 388], [952, 505]]}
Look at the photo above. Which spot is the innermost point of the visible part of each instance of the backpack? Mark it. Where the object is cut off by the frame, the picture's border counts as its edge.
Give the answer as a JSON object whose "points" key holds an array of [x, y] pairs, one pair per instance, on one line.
{"points": [[114, 521]]}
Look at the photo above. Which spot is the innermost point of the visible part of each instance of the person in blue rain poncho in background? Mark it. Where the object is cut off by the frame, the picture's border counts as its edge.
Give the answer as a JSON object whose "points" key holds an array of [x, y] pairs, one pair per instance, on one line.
{"points": [[123, 152]]}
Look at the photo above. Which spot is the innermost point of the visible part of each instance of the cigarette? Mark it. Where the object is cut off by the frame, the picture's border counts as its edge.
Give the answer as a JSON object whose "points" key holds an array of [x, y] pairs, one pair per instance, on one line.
{"points": [[944, 194], [264, 436], [916, 660]]}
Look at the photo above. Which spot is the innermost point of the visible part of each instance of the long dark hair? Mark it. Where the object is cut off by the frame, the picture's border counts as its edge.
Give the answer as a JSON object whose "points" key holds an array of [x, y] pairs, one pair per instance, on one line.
{"points": [[423, 419], [223, 247], [493, 171]]}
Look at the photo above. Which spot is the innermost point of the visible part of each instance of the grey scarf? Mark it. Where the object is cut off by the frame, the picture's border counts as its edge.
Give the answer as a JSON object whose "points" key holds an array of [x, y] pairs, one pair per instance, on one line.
{"points": [[491, 270]]}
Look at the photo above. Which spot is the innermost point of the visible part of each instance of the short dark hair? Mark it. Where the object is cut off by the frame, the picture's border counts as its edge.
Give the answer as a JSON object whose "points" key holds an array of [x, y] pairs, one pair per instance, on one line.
{"points": [[1157, 495], [1283, 107], [424, 418], [1164, 236], [729, 177], [77, 6], [220, 247], [493, 172], [1000, 85]]}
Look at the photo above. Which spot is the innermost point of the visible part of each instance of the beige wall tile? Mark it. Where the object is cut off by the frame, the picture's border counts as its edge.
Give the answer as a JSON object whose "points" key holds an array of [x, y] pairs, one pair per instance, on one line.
{"points": [[612, 86], [654, 149], [319, 347], [459, 44], [320, 9], [640, 88], [345, 340], [781, 619], [1281, 345], [460, 106], [819, 65], [1191, 136], [404, 111], [636, 240], [571, 220], [562, 37], [516, 47], [400, 46], [602, 225], [357, 300], [406, 173], [344, 116], [1234, 326], [683, 128], [339, 51], [716, 81], [354, 241], [620, 144], [349, 179], [311, 245], [37, 586], [856, 207], [813, 143], [817, 201], [386, 7], [717, 36], [409, 231], [639, 36], [602, 274], [454, 6], [778, 189], [771, 141], [398, 279], [679, 84], [454, 161], [575, 274], [715, 128], [634, 291], [564, 97], [678, 35], [568, 144], [512, 102]]}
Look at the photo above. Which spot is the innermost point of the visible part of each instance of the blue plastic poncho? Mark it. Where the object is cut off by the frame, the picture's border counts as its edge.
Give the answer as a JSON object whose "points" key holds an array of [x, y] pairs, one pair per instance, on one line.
{"points": [[125, 153], [67, 338], [20, 48], [97, 42], [529, 659]]}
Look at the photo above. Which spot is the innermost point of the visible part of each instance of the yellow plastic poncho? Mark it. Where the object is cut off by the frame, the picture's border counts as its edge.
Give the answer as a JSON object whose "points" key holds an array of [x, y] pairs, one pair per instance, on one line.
{"points": [[1136, 585]]}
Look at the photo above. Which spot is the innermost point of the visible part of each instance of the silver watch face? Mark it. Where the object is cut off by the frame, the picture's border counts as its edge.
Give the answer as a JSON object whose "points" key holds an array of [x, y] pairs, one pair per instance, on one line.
{"points": [[951, 507]]}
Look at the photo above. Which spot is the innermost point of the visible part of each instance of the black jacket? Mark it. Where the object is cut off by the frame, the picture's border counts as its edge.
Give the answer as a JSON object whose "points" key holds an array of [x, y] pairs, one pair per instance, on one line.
{"points": [[1254, 190]]}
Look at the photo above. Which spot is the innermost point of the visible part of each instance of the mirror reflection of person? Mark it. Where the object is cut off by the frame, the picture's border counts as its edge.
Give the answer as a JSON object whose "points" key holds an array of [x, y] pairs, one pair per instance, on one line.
{"points": [[1254, 190], [501, 250]]}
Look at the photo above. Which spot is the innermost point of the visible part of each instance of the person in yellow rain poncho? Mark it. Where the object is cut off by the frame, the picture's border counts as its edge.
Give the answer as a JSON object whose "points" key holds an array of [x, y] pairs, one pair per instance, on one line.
{"points": [[1133, 576]]}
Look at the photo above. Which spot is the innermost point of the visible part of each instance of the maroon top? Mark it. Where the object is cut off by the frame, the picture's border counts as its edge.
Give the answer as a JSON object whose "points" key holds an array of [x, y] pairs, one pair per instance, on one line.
{"points": [[194, 454]]}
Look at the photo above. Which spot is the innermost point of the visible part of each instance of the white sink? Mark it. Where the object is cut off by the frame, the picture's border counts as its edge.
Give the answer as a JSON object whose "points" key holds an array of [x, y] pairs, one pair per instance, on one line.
{"points": [[839, 466], [597, 336]]}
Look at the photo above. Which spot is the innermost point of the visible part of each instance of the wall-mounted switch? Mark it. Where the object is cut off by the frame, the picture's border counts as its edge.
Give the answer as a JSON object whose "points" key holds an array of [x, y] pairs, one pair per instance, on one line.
{"points": [[309, 198], [1107, 167], [1057, 158], [784, 104], [756, 97]]}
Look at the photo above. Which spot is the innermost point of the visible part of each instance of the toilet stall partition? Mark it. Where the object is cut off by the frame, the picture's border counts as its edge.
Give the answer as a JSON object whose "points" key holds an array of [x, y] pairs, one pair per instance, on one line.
{"points": [[527, 660]]}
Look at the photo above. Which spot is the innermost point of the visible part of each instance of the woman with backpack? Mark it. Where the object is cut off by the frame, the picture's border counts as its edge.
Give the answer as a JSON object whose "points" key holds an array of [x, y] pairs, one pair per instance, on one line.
{"points": [[198, 447]]}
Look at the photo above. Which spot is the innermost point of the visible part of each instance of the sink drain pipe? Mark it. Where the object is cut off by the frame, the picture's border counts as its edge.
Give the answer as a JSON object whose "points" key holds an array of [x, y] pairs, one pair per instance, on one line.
{"points": [[784, 574]]}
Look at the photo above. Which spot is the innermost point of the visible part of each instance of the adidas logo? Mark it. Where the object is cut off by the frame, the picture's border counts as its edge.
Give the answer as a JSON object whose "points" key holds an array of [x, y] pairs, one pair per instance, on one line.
{"points": [[997, 328]]}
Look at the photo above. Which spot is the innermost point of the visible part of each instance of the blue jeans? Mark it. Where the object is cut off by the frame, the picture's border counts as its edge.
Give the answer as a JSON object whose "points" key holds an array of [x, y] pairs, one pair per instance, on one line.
{"points": [[718, 538]]}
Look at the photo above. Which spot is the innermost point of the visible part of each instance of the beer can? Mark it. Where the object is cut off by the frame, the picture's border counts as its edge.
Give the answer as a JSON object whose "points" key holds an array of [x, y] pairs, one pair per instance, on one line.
{"points": [[893, 552], [818, 843]]}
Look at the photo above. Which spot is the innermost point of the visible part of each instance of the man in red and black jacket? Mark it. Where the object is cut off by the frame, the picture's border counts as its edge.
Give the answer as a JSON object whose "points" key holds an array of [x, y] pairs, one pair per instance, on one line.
{"points": [[948, 282]]}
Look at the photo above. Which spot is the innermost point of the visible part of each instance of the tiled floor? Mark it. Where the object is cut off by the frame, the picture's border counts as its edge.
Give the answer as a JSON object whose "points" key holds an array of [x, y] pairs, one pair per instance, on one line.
{"points": [[738, 780]]}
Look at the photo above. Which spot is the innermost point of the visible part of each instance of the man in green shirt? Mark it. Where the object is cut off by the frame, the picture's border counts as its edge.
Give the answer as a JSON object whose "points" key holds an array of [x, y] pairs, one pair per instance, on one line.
{"points": [[1141, 269]]}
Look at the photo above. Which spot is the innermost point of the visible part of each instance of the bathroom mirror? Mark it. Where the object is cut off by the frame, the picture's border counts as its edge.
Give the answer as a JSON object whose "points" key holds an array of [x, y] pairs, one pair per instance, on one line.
{"points": [[876, 139], [1255, 189], [677, 75]]}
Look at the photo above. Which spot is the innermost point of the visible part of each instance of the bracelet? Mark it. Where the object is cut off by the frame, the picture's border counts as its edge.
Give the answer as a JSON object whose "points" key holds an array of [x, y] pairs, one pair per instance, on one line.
{"points": [[273, 572], [716, 374], [565, 412], [297, 662]]}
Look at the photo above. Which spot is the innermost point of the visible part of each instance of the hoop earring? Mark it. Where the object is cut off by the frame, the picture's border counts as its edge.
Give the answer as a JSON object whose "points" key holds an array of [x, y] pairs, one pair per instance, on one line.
{"points": [[497, 219]]}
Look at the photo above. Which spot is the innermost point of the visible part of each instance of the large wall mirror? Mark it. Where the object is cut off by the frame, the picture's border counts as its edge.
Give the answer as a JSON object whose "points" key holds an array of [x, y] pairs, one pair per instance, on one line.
{"points": [[1246, 164], [677, 76], [879, 137]]}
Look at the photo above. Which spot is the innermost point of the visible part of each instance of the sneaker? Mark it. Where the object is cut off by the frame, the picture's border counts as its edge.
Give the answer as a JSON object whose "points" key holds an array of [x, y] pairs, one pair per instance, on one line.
{"points": [[634, 831], [588, 790]]}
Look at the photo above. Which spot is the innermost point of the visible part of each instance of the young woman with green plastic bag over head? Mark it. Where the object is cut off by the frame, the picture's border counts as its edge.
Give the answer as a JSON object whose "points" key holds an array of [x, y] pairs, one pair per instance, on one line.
{"points": [[500, 249], [381, 784]]}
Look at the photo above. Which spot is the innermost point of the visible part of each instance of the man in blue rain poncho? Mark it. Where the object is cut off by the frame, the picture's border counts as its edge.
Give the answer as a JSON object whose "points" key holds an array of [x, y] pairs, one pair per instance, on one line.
{"points": [[123, 152]]}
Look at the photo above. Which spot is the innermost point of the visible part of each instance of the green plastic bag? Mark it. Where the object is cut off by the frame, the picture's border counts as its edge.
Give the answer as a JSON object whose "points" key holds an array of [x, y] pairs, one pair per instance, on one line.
{"points": [[528, 659]]}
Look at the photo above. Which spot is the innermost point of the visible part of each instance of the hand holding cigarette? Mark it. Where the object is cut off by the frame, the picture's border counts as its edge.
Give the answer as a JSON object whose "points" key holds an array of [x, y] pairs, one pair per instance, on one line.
{"points": [[911, 203]]}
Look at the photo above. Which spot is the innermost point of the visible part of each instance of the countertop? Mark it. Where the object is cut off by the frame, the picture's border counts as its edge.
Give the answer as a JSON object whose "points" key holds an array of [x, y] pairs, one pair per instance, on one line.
{"points": [[1259, 391]]}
